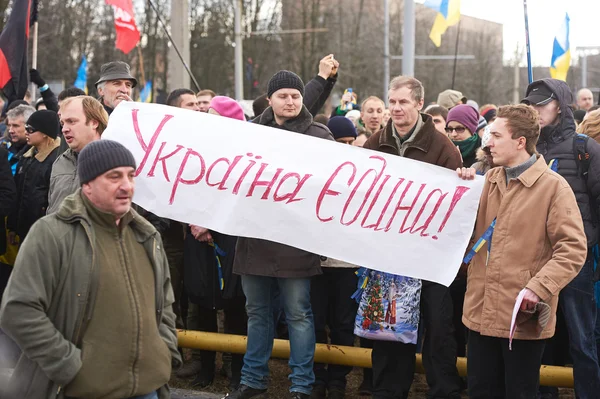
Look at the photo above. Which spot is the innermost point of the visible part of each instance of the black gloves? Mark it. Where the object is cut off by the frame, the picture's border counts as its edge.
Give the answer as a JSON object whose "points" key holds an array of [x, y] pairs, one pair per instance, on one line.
{"points": [[35, 77]]}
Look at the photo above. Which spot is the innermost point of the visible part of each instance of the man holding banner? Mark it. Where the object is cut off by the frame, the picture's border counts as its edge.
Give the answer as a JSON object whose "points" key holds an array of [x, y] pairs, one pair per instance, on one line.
{"points": [[265, 265], [525, 199], [411, 134]]}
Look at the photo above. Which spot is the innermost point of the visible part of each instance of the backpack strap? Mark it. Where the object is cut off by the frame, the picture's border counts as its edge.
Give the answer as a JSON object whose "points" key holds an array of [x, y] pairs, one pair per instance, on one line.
{"points": [[582, 156]]}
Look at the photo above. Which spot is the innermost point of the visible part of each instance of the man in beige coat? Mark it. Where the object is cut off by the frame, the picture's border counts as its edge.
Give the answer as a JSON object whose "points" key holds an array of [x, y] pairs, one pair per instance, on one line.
{"points": [[538, 245]]}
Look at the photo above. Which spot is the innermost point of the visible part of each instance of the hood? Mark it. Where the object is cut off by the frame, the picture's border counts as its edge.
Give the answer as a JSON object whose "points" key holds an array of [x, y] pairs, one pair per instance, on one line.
{"points": [[566, 126], [72, 210]]}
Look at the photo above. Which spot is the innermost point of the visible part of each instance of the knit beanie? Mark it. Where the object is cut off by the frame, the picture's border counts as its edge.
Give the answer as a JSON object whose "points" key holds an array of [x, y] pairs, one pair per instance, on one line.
{"points": [[341, 126], [482, 123], [100, 156], [285, 80], [227, 107], [489, 113], [45, 121], [466, 115]]}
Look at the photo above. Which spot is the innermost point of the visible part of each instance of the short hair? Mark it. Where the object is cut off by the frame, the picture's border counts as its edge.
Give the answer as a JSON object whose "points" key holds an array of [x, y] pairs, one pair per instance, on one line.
{"points": [[70, 92], [24, 111], [362, 105], [591, 125], [522, 121], [321, 118], [174, 98], [594, 108], [437, 110], [416, 87], [92, 109], [206, 92], [260, 104]]}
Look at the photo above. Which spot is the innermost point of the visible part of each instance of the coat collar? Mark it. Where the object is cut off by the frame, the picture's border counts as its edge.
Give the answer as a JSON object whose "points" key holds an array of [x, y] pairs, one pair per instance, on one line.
{"points": [[42, 155], [527, 178], [421, 138], [299, 124]]}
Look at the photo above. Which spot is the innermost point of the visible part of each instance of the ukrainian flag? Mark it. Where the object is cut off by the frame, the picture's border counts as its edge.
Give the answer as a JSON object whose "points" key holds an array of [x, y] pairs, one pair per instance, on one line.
{"points": [[561, 53], [146, 93], [81, 80], [448, 15]]}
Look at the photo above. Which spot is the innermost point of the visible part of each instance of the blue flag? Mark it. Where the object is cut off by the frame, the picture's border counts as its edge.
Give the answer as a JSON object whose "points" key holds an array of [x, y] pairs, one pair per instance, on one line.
{"points": [[146, 93], [81, 81]]}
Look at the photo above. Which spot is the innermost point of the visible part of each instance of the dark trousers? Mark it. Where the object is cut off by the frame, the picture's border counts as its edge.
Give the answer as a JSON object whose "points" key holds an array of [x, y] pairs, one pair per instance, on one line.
{"points": [[495, 372], [457, 291], [332, 305], [235, 323], [394, 362], [174, 252]]}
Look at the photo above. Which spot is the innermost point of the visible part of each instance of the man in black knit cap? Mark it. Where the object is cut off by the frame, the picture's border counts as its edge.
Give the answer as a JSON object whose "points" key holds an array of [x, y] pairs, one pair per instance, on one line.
{"points": [[79, 275], [266, 266]]}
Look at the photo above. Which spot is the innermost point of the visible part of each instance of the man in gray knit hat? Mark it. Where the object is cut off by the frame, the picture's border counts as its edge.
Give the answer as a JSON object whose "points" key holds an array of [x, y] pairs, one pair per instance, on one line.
{"points": [[79, 275], [266, 266]]}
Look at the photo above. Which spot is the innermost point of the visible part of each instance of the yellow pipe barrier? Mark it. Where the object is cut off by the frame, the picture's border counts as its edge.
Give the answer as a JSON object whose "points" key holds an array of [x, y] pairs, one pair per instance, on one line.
{"points": [[343, 355]]}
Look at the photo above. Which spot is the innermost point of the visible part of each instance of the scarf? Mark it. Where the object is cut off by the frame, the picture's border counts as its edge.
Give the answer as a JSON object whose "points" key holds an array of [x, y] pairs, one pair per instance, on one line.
{"points": [[469, 146]]}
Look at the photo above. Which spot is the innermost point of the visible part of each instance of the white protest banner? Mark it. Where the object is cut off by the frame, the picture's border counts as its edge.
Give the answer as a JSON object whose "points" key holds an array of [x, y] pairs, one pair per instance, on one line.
{"points": [[368, 208]]}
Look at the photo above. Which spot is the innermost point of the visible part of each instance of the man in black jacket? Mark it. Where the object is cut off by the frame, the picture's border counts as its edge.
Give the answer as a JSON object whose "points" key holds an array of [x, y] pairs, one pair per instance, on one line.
{"points": [[265, 265], [8, 197], [15, 122], [48, 96], [558, 142]]}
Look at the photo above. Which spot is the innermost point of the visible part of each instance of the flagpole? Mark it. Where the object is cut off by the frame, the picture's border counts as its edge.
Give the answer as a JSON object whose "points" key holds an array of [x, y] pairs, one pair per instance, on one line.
{"points": [[529, 68], [187, 68], [455, 55], [34, 57]]}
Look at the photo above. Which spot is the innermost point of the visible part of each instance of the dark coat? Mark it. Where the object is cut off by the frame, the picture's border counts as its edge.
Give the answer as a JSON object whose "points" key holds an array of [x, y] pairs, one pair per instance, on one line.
{"points": [[16, 153], [8, 196], [428, 145], [556, 142], [316, 92], [266, 258], [33, 182], [201, 276]]}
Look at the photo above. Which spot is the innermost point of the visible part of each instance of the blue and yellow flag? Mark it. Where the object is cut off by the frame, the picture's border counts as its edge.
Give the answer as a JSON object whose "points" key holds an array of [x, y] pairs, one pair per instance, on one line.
{"points": [[81, 80], [561, 53], [146, 93], [448, 15]]}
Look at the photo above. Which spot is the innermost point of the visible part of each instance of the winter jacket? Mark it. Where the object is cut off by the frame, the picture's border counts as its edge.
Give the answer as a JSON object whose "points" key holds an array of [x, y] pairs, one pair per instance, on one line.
{"points": [[316, 93], [64, 180], [8, 196], [15, 154], [482, 166], [202, 272], [266, 258], [426, 145], [556, 142], [50, 100], [48, 301], [338, 111], [538, 243], [33, 182]]}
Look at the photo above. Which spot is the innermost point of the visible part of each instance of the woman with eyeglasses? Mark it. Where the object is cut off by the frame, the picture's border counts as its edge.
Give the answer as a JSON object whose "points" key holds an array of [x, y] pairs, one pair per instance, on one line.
{"points": [[33, 173], [461, 127]]}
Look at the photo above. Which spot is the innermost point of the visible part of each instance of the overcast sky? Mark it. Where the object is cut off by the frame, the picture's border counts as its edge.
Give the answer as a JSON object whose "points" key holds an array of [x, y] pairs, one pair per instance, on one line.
{"points": [[545, 17]]}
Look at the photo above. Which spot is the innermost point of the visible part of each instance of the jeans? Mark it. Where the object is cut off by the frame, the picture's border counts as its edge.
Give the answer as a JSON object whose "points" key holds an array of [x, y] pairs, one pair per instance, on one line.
{"points": [[393, 362], [578, 307], [333, 306], [151, 395], [295, 297], [495, 372]]}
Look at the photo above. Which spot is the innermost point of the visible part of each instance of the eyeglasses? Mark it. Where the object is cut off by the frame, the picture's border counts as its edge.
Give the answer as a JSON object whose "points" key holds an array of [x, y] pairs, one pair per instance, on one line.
{"points": [[30, 129], [459, 130]]}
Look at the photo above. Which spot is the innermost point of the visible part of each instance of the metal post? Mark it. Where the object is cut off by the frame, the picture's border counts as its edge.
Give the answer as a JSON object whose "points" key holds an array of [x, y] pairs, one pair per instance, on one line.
{"points": [[34, 57], [517, 83], [408, 39], [584, 70], [180, 32], [386, 50], [455, 56], [239, 61]]}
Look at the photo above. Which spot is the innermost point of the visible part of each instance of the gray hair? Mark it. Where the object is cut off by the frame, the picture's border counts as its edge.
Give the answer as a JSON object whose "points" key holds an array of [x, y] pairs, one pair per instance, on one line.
{"points": [[415, 86], [24, 111], [101, 85]]}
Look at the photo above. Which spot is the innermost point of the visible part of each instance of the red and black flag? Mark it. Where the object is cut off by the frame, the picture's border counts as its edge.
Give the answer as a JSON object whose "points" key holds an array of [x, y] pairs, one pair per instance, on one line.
{"points": [[13, 49]]}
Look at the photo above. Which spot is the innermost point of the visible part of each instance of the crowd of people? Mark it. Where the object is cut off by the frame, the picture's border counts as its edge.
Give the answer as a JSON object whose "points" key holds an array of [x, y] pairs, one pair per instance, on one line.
{"points": [[93, 286]]}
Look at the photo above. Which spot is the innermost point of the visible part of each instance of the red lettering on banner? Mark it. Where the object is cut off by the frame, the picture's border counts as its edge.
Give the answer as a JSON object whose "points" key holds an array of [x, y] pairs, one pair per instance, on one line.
{"points": [[163, 160], [265, 183], [179, 179], [237, 186], [149, 147], [398, 208], [368, 193], [231, 165], [326, 191], [409, 209], [458, 194], [431, 216], [385, 208], [291, 197]]}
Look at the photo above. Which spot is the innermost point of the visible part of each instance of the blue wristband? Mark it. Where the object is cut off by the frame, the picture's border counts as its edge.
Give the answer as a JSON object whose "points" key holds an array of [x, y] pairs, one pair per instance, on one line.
{"points": [[44, 88]]}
